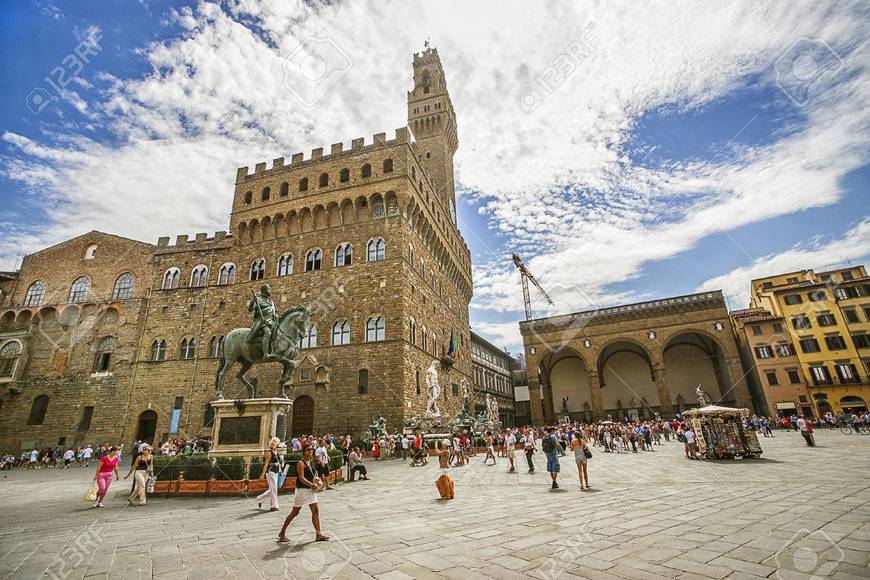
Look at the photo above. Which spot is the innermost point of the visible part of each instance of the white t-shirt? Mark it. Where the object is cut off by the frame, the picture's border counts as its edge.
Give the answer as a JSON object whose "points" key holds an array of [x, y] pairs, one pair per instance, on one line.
{"points": [[34, 455], [802, 424], [510, 441], [87, 453], [690, 436], [69, 454], [321, 455], [530, 441]]}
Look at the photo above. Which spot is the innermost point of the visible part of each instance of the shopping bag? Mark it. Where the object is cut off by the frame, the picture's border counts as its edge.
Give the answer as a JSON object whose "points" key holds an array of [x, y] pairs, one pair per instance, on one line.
{"points": [[91, 494], [149, 483], [282, 476]]}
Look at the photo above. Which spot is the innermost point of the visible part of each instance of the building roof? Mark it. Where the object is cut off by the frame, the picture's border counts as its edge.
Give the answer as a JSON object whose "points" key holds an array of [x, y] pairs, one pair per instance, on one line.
{"points": [[91, 233], [754, 315], [648, 308]]}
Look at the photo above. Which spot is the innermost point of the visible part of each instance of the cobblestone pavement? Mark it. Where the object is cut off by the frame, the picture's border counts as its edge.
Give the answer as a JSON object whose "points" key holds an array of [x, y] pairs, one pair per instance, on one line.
{"points": [[795, 513]]}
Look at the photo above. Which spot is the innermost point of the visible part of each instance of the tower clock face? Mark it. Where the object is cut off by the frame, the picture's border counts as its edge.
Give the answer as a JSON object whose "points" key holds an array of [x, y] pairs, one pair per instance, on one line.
{"points": [[452, 211]]}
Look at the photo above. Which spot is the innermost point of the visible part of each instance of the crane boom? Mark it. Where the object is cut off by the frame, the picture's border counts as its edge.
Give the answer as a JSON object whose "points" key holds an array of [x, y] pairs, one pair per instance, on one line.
{"points": [[526, 277]]}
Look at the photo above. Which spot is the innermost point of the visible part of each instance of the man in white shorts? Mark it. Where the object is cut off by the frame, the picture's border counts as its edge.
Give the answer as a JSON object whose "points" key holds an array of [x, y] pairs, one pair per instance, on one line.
{"points": [[510, 444]]}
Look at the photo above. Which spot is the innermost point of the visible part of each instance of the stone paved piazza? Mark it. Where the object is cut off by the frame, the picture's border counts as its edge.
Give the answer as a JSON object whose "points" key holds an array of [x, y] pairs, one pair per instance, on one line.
{"points": [[796, 512]]}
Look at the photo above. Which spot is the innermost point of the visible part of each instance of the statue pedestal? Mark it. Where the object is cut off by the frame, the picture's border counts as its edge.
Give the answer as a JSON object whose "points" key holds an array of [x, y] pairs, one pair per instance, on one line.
{"points": [[243, 427]]}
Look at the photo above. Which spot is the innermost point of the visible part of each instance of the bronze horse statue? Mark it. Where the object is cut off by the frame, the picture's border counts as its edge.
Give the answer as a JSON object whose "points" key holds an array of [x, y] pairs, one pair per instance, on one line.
{"points": [[290, 328]]}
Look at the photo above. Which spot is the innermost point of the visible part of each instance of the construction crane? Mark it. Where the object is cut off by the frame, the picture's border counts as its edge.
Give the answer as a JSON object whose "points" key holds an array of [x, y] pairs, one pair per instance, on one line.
{"points": [[526, 276]]}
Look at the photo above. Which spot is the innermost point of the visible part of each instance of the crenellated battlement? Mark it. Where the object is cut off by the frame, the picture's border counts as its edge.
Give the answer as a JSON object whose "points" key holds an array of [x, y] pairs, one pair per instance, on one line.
{"points": [[336, 150], [201, 241]]}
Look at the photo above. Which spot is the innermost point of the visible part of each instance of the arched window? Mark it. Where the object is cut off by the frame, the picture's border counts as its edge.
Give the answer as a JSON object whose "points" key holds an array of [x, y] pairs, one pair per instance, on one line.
{"points": [[103, 355], [309, 339], [412, 331], [9, 355], [424, 339], [324, 180], [79, 290], [411, 255], [285, 265], [248, 197], [38, 410], [422, 268], [35, 293], [91, 252], [171, 278], [417, 379], [375, 329], [341, 333], [158, 350], [344, 175], [285, 189], [258, 269], [343, 255], [313, 259], [123, 287], [266, 194], [303, 184], [366, 170], [199, 277], [188, 349], [377, 248], [363, 383], [227, 274], [388, 165], [215, 346]]}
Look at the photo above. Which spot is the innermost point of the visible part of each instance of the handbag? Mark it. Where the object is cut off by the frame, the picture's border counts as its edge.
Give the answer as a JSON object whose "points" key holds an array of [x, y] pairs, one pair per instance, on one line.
{"points": [[587, 452], [91, 494], [149, 483], [282, 476]]}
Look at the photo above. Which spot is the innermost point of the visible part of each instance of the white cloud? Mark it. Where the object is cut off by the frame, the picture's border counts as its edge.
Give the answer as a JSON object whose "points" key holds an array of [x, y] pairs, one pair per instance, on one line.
{"points": [[557, 184], [852, 248]]}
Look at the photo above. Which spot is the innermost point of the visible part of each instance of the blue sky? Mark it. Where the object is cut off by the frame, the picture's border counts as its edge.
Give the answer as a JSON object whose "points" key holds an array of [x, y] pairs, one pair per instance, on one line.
{"points": [[674, 154]]}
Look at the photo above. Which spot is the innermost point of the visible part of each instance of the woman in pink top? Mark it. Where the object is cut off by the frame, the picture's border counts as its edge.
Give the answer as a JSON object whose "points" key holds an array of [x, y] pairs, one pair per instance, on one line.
{"points": [[108, 466]]}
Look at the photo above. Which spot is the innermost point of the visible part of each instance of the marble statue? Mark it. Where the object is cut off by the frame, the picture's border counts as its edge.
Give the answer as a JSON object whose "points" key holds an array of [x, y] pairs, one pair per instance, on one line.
{"points": [[432, 409], [490, 411], [278, 342]]}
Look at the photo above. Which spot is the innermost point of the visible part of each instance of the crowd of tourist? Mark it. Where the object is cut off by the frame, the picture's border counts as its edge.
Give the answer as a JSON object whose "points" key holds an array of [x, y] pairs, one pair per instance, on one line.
{"points": [[55, 457]]}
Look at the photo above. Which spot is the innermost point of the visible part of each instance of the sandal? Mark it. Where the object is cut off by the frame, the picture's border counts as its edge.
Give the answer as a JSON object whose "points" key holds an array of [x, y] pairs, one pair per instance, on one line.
{"points": [[321, 538], [282, 539]]}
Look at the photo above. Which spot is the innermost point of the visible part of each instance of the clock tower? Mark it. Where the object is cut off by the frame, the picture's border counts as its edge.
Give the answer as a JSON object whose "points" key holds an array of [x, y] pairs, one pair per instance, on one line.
{"points": [[433, 123]]}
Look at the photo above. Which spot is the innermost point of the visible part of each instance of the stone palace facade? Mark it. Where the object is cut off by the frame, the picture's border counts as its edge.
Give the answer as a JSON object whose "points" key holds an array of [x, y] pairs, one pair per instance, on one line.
{"points": [[104, 338]]}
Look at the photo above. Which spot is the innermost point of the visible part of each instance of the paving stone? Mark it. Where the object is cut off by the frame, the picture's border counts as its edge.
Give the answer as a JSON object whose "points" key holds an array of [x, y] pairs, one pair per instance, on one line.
{"points": [[682, 519]]}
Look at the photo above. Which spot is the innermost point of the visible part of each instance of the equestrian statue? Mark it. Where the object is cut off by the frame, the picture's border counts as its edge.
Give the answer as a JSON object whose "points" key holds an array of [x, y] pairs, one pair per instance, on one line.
{"points": [[271, 338]]}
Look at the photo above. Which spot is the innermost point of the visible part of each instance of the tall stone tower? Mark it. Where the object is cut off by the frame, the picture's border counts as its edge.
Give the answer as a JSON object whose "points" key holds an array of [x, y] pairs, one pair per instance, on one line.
{"points": [[433, 122]]}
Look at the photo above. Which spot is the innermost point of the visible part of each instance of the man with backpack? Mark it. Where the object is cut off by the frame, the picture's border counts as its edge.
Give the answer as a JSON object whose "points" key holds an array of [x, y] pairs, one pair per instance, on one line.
{"points": [[550, 446]]}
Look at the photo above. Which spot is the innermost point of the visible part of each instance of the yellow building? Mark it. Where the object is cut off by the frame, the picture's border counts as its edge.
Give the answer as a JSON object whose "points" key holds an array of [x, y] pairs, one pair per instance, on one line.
{"points": [[826, 315]]}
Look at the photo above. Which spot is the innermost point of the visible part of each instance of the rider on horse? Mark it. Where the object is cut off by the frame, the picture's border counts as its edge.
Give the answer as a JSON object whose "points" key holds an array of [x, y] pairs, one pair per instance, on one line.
{"points": [[265, 320]]}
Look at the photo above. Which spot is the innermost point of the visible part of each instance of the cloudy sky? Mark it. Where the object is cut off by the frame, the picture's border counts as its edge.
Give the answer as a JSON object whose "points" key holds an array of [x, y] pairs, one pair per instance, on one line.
{"points": [[627, 151]]}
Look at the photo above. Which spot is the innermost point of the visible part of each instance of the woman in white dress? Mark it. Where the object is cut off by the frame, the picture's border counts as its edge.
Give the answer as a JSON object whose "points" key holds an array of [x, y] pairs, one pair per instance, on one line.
{"points": [[304, 496]]}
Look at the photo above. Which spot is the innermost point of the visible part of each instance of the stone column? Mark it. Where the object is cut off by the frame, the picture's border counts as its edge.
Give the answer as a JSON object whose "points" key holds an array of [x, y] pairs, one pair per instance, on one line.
{"points": [[595, 389], [535, 401], [666, 407]]}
